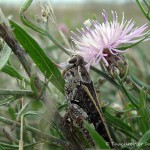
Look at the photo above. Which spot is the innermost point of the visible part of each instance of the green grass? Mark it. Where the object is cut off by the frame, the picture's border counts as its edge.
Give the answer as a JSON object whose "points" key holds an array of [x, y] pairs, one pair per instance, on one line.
{"points": [[125, 106]]}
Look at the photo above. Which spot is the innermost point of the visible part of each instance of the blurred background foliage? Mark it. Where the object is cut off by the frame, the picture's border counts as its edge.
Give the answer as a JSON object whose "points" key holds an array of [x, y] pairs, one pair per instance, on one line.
{"points": [[120, 114]]}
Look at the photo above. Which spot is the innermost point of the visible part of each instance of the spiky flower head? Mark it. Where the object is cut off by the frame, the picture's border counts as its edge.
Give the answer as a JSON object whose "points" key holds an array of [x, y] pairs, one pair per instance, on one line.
{"points": [[96, 41]]}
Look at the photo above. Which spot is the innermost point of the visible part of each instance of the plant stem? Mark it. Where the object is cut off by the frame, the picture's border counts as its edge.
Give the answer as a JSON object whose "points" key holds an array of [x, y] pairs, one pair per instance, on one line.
{"points": [[111, 80], [56, 43], [146, 3], [17, 92], [21, 135], [16, 146], [8, 37], [138, 88], [137, 83], [142, 9], [40, 134], [126, 92]]}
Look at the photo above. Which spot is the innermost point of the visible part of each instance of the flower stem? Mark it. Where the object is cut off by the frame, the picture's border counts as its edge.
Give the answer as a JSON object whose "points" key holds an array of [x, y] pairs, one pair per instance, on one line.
{"points": [[126, 92], [56, 43], [111, 80], [137, 85]]}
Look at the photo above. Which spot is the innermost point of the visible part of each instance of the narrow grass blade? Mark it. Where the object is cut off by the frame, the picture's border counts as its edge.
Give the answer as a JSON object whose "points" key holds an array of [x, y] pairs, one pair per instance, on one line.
{"points": [[4, 56], [12, 72], [99, 141]]}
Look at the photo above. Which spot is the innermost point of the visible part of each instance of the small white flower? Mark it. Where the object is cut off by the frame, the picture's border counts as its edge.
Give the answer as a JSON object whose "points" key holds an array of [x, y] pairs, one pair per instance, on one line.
{"points": [[87, 23]]}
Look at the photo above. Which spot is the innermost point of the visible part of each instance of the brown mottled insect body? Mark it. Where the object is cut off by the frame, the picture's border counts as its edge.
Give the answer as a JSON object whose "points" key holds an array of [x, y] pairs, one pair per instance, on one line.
{"points": [[81, 95]]}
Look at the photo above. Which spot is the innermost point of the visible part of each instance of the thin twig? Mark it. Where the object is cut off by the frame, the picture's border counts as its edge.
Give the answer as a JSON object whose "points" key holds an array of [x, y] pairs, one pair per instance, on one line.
{"points": [[7, 35], [21, 129]]}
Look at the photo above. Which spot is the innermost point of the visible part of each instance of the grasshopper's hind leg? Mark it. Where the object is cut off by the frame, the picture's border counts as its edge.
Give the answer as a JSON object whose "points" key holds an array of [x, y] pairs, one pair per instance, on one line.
{"points": [[75, 114]]}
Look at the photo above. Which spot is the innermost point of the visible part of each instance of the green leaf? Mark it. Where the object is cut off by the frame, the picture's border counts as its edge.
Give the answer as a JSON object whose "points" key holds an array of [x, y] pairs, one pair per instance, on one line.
{"points": [[36, 105], [4, 56], [99, 141], [139, 82], [12, 72], [129, 46], [144, 112], [26, 5], [144, 140], [12, 112], [25, 21], [47, 67], [37, 114], [62, 106], [144, 59], [8, 100], [119, 124], [145, 12], [1, 148], [51, 146]]}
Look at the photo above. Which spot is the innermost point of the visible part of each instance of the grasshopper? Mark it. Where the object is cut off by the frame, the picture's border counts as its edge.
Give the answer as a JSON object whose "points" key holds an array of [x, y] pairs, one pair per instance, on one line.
{"points": [[82, 98]]}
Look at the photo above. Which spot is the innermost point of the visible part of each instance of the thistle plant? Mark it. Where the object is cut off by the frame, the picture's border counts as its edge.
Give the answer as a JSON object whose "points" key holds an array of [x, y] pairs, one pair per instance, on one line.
{"points": [[100, 40], [31, 114]]}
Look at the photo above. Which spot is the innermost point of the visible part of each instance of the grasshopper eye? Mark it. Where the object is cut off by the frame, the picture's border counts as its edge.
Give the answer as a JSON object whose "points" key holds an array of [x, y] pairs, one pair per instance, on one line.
{"points": [[73, 60], [77, 60]]}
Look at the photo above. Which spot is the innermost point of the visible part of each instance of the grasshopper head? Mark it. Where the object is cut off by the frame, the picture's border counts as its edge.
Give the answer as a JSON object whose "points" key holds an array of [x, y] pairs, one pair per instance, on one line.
{"points": [[75, 60]]}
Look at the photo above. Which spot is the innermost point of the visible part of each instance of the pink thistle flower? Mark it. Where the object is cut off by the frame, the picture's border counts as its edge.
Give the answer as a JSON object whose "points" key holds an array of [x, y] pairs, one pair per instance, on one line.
{"points": [[95, 42]]}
